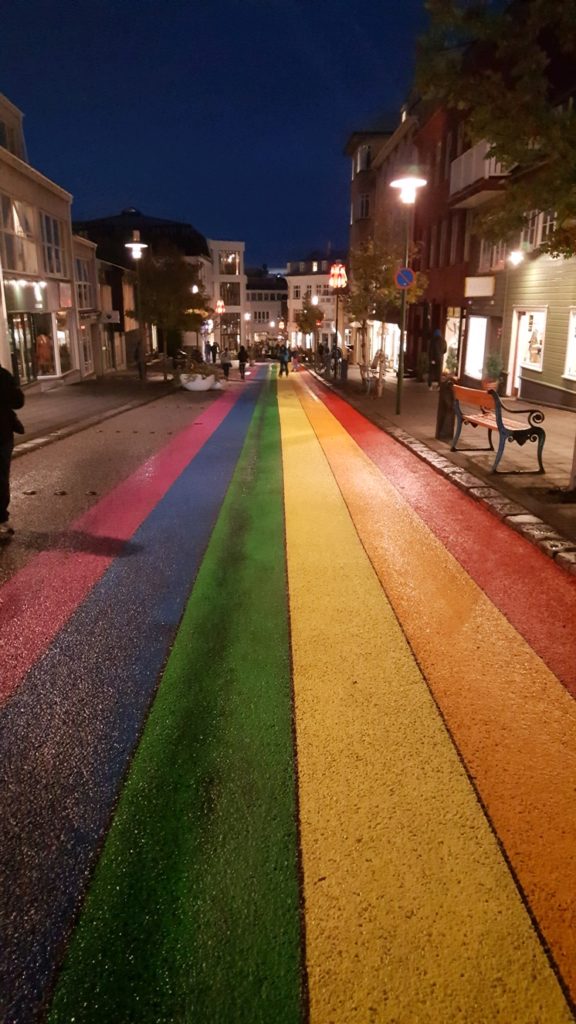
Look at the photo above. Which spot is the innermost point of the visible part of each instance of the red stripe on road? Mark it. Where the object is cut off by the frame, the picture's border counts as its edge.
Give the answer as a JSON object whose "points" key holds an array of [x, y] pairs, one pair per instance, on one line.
{"points": [[536, 596], [39, 600]]}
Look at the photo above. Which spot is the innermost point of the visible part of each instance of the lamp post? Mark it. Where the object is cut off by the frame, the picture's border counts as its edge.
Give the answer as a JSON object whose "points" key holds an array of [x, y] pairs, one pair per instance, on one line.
{"points": [[408, 185], [337, 282], [136, 248], [220, 310]]}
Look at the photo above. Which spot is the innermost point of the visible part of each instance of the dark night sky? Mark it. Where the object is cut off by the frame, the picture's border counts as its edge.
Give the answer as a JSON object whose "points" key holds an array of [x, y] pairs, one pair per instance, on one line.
{"points": [[229, 114]]}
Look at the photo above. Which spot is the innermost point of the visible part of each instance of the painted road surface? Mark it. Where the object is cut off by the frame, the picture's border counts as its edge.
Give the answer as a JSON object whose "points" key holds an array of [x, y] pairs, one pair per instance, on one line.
{"points": [[289, 736]]}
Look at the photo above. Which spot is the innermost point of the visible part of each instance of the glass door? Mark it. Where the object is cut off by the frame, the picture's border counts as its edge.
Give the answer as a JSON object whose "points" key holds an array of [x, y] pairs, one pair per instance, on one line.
{"points": [[21, 330]]}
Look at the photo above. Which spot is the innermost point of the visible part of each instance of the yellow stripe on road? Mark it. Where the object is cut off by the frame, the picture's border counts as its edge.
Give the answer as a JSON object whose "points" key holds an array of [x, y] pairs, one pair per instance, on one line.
{"points": [[411, 913]]}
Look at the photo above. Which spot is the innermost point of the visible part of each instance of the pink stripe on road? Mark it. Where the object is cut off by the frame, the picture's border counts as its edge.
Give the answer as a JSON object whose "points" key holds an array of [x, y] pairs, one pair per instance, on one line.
{"points": [[39, 600]]}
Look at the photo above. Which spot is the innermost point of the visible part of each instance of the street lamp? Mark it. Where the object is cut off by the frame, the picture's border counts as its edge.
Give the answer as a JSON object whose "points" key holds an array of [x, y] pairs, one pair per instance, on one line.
{"points": [[337, 282], [136, 248], [220, 310], [408, 186]]}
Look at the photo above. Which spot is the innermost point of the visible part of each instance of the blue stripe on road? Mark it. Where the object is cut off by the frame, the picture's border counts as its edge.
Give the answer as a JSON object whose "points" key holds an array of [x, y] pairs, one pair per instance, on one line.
{"points": [[67, 736]]}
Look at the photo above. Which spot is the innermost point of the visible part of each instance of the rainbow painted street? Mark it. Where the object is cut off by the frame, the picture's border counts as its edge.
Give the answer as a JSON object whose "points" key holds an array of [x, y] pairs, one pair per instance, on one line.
{"points": [[292, 738]]}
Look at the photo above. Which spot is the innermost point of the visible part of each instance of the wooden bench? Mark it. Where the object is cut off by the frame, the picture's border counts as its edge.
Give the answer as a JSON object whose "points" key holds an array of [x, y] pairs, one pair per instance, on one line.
{"points": [[370, 374], [485, 409]]}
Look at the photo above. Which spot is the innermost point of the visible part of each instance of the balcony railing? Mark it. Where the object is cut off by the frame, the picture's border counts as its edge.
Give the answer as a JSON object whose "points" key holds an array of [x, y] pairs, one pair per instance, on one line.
{"points": [[473, 166]]}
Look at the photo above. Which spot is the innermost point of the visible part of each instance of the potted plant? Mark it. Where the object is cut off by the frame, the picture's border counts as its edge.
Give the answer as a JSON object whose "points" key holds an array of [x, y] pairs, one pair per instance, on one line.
{"points": [[492, 371]]}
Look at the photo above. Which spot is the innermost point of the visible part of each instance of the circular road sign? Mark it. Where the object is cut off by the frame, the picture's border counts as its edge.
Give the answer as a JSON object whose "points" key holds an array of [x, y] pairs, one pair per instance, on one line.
{"points": [[405, 277]]}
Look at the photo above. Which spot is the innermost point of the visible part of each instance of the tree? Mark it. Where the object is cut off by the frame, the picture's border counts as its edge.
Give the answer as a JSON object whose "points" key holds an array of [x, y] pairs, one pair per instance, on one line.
{"points": [[507, 69], [309, 318], [374, 294], [167, 298]]}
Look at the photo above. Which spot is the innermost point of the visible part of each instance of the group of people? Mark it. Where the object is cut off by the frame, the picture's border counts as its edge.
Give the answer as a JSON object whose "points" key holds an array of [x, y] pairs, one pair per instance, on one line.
{"points": [[11, 399]]}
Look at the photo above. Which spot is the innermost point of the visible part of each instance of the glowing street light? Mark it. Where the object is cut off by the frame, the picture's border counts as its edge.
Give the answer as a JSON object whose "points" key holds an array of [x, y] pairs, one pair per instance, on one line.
{"points": [[136, 248], [408, 186], [516, 257]]}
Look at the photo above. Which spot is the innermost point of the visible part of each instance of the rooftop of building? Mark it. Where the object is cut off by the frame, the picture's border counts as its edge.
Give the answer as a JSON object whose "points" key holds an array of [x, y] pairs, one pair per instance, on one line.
{"points": [[111, 234]]}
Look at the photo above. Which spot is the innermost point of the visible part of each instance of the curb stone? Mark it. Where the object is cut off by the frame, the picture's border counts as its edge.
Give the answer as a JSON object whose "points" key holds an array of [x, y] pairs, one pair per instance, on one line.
{"points": [[535, 530]]}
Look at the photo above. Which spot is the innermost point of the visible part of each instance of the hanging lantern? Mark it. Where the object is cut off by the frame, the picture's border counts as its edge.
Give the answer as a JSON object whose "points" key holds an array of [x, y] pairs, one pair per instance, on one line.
{"points": [[338, 279]]}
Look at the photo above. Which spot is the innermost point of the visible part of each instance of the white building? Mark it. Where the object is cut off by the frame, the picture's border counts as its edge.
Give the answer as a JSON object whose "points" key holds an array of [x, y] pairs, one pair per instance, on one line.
{"points": [[309, 278], [38, 310], [266, 306], [224, 281]]}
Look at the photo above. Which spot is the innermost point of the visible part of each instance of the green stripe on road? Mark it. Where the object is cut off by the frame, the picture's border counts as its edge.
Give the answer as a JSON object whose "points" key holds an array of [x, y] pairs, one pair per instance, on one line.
{"points": [[193, 913]]}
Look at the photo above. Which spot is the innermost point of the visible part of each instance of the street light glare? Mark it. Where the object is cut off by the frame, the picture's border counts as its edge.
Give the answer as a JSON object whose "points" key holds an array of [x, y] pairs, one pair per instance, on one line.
{"points": [[516, 257], [408, 185]]}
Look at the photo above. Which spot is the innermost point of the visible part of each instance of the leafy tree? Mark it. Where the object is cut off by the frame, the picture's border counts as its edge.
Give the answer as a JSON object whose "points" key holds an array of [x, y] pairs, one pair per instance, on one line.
{"points": [[166, 296], [374, 294], [506, 68], [309, 318]]}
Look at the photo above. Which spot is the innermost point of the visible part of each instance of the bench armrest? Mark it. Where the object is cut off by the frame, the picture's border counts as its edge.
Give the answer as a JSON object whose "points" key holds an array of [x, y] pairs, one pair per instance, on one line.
{"points": [[535, 416]]}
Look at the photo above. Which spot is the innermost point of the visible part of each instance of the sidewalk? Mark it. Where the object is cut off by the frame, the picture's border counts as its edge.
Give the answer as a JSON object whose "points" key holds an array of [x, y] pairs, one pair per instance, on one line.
{"points": [[538, 495], [65, 409]]}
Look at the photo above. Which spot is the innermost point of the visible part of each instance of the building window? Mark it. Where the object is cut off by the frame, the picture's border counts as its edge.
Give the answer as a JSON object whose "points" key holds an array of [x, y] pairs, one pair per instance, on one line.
{"points": [[528, 235], [229, 263], [308, 291], [230, 293], [83, 285], [17, 243], [363, 158], [296, 291], [548, 223], [570, 368], [454, 238], [443, 240], [433, 241], [364, 206], [324, 265], [53, 245], [314, 266]]}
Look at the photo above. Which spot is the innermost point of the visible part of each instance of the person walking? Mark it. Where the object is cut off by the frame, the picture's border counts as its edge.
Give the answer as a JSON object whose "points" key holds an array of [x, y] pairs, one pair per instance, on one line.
{"points": [[284, 357], [11, 398], [208, 352], [436, 352], [214, 350], [242, 360], [225, 361]]}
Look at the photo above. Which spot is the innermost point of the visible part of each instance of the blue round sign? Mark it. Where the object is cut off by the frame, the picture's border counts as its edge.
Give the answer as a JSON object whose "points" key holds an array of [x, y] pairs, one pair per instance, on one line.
{"points": [[405, 277]]}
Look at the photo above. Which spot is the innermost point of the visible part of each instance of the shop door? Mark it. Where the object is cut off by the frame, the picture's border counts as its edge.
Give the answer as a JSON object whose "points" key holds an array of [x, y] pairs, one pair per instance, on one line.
{"points": [[21, 330]]}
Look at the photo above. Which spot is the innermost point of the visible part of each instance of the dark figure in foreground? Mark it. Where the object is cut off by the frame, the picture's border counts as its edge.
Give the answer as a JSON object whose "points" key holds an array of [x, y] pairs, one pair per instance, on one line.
{"points": [[214, 350], [436, 351], [11, 398], [242, 360]]}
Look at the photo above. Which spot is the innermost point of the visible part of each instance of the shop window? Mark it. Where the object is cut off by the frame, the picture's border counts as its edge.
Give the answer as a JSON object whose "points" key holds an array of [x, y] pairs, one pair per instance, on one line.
{"points": [[475, 346], [570, 368], [53, 245], [229, 263], [63, 342]]}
